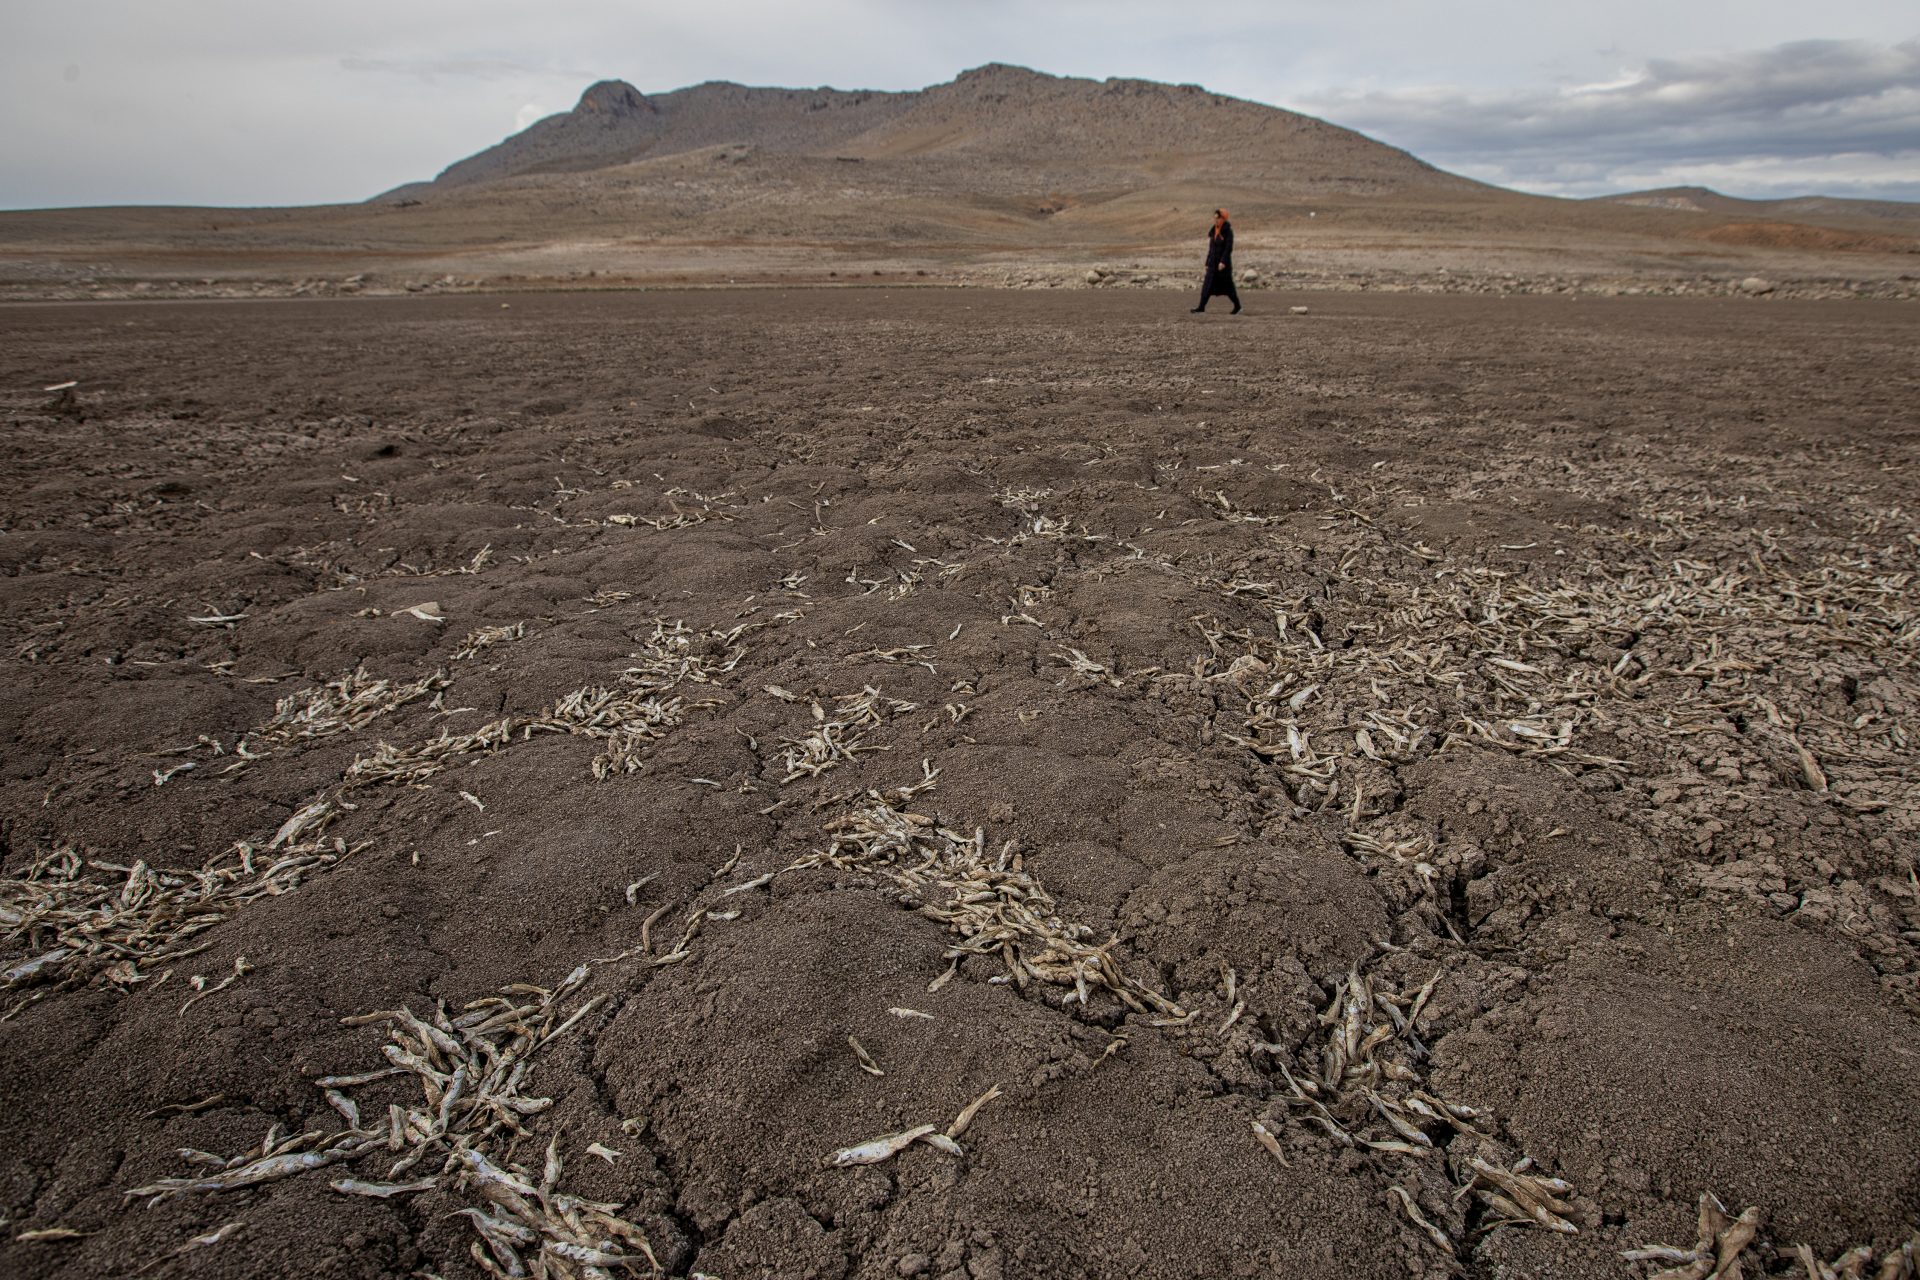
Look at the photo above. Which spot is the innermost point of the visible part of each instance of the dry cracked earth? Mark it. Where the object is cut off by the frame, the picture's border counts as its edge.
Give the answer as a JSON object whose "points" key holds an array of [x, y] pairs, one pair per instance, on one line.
{"points": [[607, 783]]}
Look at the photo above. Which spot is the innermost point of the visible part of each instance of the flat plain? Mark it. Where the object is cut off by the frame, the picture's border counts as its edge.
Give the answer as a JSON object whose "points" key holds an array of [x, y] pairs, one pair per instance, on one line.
{"points": [[1419, 786]]}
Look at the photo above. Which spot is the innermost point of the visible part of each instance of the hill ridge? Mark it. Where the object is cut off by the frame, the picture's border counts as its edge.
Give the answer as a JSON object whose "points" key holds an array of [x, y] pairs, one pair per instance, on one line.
{"points": [[1134, 131]]}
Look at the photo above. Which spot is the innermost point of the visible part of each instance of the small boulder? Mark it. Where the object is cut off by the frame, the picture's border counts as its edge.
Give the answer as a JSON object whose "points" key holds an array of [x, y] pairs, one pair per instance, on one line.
{"points": [[1755, 286], [1298, 311]]}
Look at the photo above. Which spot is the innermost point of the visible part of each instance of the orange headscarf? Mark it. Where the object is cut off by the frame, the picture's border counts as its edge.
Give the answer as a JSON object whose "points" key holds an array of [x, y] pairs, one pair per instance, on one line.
{"points": [[1219, 221]]}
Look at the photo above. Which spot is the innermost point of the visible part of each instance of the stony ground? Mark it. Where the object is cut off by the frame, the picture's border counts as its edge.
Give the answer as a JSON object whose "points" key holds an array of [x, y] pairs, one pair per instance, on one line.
{"points": [[1419, 787]]}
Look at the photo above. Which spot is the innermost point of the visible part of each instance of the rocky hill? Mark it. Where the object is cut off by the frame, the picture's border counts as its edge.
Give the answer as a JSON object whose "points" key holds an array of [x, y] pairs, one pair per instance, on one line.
{"points": [[1114, 132]]}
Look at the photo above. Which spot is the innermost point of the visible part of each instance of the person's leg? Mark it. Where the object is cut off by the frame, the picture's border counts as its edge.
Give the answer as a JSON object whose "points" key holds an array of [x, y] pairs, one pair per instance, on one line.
{"points": [[1206, 290], [1229, 292]]}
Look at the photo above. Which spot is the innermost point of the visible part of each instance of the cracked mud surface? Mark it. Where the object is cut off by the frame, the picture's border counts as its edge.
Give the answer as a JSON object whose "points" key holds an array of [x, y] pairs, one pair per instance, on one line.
{"points": [[1550, 659]]}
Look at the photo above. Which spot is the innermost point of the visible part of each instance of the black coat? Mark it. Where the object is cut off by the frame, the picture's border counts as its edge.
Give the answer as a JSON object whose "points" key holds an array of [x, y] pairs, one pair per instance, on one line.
{"points": [[1220, 250]]}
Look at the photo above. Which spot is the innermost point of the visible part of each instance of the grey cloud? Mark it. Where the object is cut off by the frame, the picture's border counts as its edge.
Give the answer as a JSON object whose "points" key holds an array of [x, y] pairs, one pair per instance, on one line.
{"points": [[1837, 111]]}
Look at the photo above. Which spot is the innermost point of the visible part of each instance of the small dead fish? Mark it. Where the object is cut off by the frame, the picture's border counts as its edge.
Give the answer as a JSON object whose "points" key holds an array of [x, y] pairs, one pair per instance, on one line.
{"points": [[968, 1112], [251, 1174], [1400, 1124], [348, 1082], [867, 1064], [198, 1242], [1660, 1253], [26, 969], [1265, 1137], [941, 1142], [185, 1108], [605, 1153], [898, 1012], [1414, 1215], [381, 1190], [47, 1235], [349, 1109], [162, 777], [881, 1149], [290, 829], [587, 1256]]}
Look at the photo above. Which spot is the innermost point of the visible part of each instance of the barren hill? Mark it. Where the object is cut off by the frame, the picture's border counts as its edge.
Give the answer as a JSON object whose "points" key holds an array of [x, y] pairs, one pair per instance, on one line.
{"points": [[994, 120], [1707, 200]]}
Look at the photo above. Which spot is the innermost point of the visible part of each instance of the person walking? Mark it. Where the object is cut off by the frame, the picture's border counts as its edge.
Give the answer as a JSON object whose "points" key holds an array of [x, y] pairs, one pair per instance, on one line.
{"points": [[1219, 277]]}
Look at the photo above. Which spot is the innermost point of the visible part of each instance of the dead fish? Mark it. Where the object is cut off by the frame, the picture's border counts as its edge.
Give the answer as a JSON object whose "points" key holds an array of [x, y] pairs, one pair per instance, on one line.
{"points": [[20, 973], [968, 1112], [898, 1012], [1414, 1215], [381, 1190], [881, 1149], [587, 1256], [290, 829], [1400, 1125], [867, 1064], [941, 1142], [754, 883], [349, 1110], [186, 1108], [1266, 1139], [364, 1077], [212, 1237], [499, 1186], [1659, 1253], [252, 1174]]}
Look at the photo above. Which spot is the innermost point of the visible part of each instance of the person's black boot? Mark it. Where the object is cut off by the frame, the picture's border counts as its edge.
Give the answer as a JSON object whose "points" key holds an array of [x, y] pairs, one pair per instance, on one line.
{"points": [[1235, 311], [1197, 310]]}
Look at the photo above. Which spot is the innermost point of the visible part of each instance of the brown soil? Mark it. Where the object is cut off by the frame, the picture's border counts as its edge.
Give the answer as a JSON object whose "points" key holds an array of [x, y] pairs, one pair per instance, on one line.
{"points": [[1556, 653], [1790, 235]]}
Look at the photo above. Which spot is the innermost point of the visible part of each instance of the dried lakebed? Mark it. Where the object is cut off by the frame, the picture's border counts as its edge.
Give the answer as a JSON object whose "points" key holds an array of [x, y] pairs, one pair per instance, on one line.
{"points": [[884, 783]]}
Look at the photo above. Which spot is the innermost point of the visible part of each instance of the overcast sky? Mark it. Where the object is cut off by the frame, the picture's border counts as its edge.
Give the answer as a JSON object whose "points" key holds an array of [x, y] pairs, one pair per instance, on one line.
{"points": [[254, 102]]}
